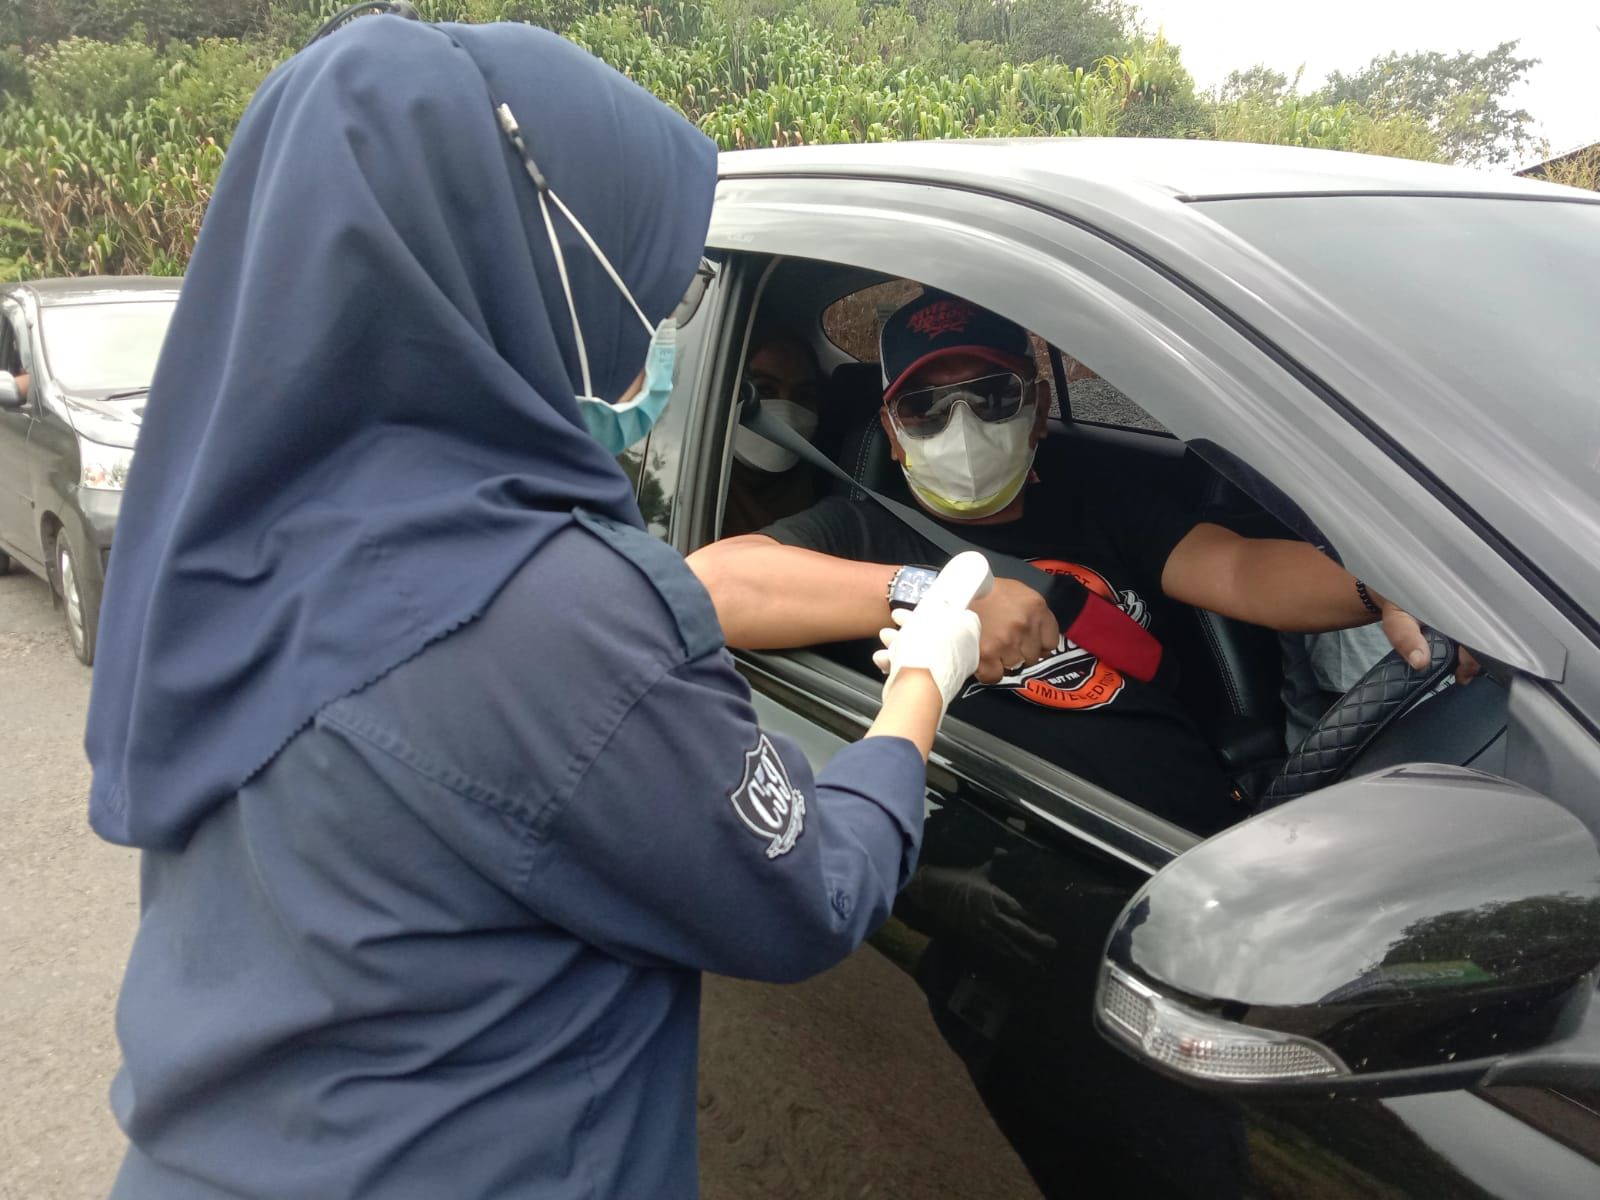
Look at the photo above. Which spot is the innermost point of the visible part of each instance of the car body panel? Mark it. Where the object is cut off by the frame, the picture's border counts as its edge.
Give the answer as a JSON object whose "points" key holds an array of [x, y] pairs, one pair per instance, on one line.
{"points": [[1032, 167], [1092, 246]]}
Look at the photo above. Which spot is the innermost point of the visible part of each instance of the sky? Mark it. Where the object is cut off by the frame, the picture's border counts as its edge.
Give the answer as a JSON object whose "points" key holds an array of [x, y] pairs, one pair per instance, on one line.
{"points": [[1217, 36]]}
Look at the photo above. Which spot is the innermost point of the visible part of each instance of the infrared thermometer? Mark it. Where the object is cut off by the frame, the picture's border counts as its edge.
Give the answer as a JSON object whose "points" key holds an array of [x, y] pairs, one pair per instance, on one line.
{"points": [[965, 578]]}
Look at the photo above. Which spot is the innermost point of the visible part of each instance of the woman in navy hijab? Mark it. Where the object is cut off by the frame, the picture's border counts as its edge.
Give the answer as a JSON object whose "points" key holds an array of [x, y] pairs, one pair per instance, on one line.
{"points": [[446, 786]]}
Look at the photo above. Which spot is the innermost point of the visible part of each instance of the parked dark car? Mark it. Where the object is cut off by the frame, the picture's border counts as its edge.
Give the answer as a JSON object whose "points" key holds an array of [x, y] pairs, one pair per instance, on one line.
{"points": [[1387, 986], [76, 358]]}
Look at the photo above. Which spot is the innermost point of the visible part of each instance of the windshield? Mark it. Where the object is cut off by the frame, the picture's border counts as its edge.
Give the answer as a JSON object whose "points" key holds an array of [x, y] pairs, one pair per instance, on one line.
{"points": [[104, 347], [1499, 299]]}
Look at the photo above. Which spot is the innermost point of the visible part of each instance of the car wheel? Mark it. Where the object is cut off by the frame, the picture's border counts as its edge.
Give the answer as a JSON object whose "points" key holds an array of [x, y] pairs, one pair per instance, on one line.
{"points": [[5, 563], [80, 599]]}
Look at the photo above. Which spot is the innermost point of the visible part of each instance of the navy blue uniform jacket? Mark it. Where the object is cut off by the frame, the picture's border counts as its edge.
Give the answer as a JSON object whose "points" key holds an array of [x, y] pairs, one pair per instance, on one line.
{"points": [[448, 944]]}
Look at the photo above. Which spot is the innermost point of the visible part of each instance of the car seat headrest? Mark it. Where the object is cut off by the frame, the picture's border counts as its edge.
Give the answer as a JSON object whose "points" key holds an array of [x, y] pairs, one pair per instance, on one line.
{"points": [[861, 449]]}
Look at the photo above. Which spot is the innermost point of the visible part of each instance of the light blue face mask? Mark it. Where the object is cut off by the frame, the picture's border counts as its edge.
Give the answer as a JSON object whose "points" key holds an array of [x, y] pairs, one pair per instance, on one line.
{"points": [[618, 426], [614, 426]]}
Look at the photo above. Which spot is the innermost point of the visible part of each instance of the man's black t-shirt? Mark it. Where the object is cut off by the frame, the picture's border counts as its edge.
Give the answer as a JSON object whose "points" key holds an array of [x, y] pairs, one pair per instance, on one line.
{"points": [[1128, 736]]}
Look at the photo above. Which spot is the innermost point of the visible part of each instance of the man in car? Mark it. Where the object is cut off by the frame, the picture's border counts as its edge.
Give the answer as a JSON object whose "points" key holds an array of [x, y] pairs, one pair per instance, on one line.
{"points": [[964, 414]]}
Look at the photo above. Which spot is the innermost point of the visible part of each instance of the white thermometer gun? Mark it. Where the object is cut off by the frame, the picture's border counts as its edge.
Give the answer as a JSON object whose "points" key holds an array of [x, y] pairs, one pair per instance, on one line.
{"points": [[965, 578]]}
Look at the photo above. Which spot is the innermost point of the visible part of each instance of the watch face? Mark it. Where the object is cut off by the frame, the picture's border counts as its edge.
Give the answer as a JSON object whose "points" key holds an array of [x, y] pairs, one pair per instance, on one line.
{"points": [[910, 585]]}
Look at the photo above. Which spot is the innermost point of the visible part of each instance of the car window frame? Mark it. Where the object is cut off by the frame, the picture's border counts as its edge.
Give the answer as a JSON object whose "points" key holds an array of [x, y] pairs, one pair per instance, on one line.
{"points": [[675, 438]]}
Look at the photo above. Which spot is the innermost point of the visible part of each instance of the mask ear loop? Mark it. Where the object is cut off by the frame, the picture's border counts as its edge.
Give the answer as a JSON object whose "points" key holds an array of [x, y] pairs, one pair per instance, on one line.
{"points": [[508, 123], [513, 132], [606, 263]]}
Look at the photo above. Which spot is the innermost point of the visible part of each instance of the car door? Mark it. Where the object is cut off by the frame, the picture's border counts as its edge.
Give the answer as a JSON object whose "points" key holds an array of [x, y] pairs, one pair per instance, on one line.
{"points": [[16, 488], [1066, 853]]}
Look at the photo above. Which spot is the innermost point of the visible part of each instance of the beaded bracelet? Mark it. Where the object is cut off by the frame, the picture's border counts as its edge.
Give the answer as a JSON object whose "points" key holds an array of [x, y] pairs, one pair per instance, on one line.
{"points": [[1361, 590]]}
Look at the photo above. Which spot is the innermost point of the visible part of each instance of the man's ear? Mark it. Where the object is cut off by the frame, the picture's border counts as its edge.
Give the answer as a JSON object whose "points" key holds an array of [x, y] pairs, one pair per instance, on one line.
{"points": [[895, 452]]}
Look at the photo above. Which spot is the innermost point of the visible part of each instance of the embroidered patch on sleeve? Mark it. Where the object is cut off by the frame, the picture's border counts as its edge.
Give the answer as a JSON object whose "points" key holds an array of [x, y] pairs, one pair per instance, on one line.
{"points": [[770, 806]]}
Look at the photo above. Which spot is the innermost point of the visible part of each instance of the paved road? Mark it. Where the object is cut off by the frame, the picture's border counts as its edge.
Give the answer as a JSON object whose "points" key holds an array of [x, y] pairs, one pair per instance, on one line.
{"points": [[69, 903], [839, 1089]]}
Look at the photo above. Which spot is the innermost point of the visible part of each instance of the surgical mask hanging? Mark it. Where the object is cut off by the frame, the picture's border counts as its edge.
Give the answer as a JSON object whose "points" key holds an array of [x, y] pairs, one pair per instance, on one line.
{"points": [[971, 468], [614, 426], [618, 426], [755, 451]]}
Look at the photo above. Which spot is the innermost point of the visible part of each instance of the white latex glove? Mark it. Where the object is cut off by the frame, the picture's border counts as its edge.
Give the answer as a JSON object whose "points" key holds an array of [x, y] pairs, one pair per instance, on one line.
{"points": [[936, 638]]}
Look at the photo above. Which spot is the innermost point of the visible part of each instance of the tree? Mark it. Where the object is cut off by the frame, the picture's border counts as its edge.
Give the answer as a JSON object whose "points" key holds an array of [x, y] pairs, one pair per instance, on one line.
{"points": [[1077, 32], [1461, 96], [1259, 82]]}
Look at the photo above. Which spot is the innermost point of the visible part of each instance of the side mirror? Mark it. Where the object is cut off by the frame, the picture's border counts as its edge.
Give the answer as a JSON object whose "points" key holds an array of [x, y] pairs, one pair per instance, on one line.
{"points": [[1421, 929], [10, 394]]}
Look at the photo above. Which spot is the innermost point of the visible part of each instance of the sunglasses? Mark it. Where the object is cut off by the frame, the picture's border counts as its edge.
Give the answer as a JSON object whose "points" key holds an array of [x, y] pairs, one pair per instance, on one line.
{"points": [[698, 286], [926, 411]]}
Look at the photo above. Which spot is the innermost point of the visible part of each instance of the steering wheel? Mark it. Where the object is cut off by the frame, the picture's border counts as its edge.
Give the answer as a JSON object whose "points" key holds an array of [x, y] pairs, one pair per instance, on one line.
{"points": [[1379, 698]]}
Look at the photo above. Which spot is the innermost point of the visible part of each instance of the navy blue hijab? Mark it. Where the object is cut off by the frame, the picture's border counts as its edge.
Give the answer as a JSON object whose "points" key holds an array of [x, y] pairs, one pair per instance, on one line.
{"points": [[363, 419]]}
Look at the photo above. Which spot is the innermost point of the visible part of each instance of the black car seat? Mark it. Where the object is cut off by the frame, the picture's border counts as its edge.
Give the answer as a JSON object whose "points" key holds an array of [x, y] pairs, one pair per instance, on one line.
{"points": [[851, 434], [1233, 670]]}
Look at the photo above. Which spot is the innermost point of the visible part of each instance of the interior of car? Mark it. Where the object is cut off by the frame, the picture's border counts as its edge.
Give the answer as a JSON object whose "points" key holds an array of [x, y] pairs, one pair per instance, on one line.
{"points": [[1232, 680]]}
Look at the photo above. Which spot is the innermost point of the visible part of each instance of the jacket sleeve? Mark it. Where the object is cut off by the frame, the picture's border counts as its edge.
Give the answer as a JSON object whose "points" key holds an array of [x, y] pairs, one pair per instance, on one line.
{"points": [[696, 839]]}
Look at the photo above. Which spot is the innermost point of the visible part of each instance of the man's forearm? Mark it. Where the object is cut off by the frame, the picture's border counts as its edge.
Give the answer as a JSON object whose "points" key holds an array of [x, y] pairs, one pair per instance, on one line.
{"points": [[1296, 588], [1284, 585], [769, 596], [1288, 586]]}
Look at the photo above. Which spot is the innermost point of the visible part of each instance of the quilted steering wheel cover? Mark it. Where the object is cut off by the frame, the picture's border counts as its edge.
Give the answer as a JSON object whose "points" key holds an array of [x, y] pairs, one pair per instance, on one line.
{"points": [[1345, 730]]}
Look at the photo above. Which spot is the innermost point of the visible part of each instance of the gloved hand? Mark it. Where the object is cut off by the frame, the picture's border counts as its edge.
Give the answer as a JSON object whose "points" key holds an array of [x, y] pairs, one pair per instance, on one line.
{"points": [[939, 639]]}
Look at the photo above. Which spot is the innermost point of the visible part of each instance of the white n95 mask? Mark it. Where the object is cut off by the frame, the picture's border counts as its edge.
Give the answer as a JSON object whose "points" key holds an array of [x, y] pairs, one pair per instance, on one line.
{"points": [[755, 451], [971, 468]]}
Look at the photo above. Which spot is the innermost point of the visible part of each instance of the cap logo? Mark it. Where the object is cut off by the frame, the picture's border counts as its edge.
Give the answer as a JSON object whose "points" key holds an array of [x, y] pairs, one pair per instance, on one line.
{"points": [[941, 317]]}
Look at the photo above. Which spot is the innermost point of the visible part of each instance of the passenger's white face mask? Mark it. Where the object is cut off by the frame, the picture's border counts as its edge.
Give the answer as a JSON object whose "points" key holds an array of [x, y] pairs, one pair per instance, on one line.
{"points": [[971, 468], [755, 451]]}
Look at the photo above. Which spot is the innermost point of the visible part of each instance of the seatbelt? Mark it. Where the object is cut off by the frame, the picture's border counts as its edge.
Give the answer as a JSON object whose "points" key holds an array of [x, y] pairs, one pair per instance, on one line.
{"points": [[1089, 621]]}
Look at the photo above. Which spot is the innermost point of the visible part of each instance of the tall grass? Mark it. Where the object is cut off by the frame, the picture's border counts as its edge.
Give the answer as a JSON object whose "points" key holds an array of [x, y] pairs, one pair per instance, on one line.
{"points": [[114, 195], [1578, 170]]}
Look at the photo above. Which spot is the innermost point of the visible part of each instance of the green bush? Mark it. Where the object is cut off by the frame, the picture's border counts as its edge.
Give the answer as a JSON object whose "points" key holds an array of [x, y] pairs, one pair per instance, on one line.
{"points": [[214, 81], [80, 76]]}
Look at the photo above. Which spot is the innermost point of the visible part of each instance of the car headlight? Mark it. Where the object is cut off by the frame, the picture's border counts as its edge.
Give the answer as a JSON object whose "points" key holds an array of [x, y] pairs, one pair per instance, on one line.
{"points": [[105, 468]]}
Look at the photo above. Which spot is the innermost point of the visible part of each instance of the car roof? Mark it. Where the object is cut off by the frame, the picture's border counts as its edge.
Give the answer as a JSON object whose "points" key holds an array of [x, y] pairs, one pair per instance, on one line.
{"points": [[1178, 169], [100, 289]]}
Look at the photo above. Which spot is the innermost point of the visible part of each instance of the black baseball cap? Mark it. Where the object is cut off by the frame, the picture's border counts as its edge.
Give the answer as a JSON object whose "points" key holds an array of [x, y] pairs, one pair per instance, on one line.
{"points": [[936, 324]]}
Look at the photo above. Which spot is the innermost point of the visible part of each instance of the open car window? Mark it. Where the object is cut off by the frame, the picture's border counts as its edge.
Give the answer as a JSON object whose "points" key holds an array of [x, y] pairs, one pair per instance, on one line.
{"points": [[1110, 502]]}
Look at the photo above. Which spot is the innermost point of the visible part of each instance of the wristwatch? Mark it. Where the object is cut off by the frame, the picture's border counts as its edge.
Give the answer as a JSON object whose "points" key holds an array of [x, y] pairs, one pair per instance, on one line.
{"points": [[909, 585]]}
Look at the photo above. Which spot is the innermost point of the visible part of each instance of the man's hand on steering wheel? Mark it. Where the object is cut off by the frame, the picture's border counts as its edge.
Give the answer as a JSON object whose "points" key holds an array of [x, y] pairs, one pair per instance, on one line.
{"points": [[1405, 635]]}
